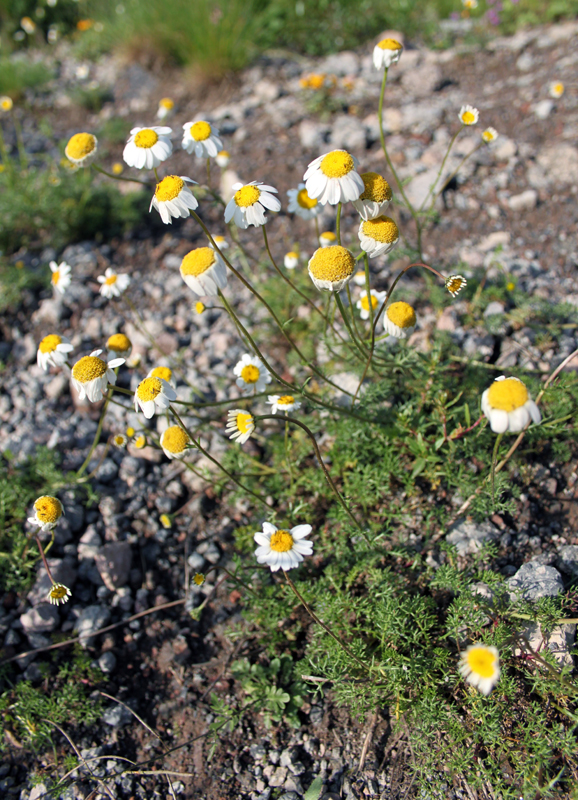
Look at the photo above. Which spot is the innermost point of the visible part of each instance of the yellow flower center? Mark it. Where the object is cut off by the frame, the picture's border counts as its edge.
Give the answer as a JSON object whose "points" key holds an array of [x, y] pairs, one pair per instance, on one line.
{"points": [[250, 373], [337, 164], [328, 236], [58, 592], [111, 280], [80, 145], [401, 314], [291, 254], [376, 188], [175, 440], [244, 422], [117, 168], [454, 284], [167, 103], [165, 373], [199, 579], [130, 432], [286, 400], [507, 395], [382, 229], [304, 200], [6, 103], [48, 509], [49, 343], [218, 239], [198, 261], [199, 307], [119, 342], [149, 389], [169, 188], [146, 138], [246, 196], [365, 302], [390, 44], [140, 442], [482, 661], [558, 88], [468, 118], [55, 276], [332, 263], [281, 541], [165, 521], [200, 131], [89, 368]]}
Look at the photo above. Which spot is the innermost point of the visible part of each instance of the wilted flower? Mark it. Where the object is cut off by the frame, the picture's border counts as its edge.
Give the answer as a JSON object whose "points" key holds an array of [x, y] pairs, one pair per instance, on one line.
{"points": [[47, 512], [166, 108], [175, 442], [223, 158], [59, 593], [327, 238], [399, 320], [375, 198], [91, 375], [81, 148], [240, 425], [455, 283], [291, 260], [283, 403], [378, 236], [204, 271], [386, 53], [119, 346]]}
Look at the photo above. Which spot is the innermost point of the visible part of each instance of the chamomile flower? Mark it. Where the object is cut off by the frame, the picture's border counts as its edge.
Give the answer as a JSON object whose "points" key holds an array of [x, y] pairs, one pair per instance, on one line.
{"points": [[470, 4], [386, 53], [508, 406], [130, 432], [140, 441], [198, 578], [281, 549], [175, 442], [399, 320], [252, 376], [119, 346], [376, 299], [200, 307], [202, 139], [223, 158], [359, 277], [283, 403], [148, 147], [165, 373], [153, 395], [166, 108], [204, 271], [6, 103], [455, 283], [291, 260], [480, 666], [120, 440], [240, 425], [81, 148], [165, 521], [113, 284], [332, 178], [53, 350], [469, 115], [490, 135], [59, 593], [327, 238], [556, 89], [60, 276], [173, 198], [331, 268], [378, 236], [249, 203], [301, 204], [375, 198], [91, 375], [47, 512], [221, 243]]}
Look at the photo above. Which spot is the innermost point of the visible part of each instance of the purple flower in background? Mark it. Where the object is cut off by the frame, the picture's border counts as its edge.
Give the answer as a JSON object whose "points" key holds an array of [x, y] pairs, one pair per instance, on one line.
{"points": [[454, 15], [493, 17]]}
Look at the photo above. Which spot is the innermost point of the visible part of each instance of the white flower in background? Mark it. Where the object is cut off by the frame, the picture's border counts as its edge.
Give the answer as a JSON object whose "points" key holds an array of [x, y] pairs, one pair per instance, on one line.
{"points": [[60, 276], [490, 135], [113, 284], [6, 103], [249, 203], [469, 115], [281, 549], [301, 204], [148, 147], [223, 159], [240, 425], [291, 260], [91, 375], [173, 198], [53, 350], [81, 148], [332, 178], [480, 666], [252, 376], [120, 440], [119, 346], [202, 139], [331, 268], [204, 271], [386, 53], [221, 243], [153, 395], [283, 403], [175, 442], [327, 239], [359, 277], [165, 373], [399, 320], [556, 89], [166, 108], [375, 198], [47, 512], [508, 406], [470, 4], [378, 236], [362, 304]]}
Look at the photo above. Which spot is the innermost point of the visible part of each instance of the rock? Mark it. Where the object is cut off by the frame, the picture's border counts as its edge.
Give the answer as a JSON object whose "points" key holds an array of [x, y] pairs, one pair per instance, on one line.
{"points": [[422, 80], [559, 642], [525, 201], [41, 619], [312, 134], [559, 163], [418, 189], [543, 109], [113, 562], [347, 133], [91, 619], [568, 560], [493, 240], [468, 536], [57, 386], [494, 308], [38, 792], [278, 777], [116, 716], [107, 662], [505, 149], [345, 63], [533, 581]]}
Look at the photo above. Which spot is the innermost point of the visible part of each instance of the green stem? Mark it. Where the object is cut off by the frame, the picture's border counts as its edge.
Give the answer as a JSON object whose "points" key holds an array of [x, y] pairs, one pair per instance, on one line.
{"points": [[438, 176], [454, 173], [353, 317], [494, 460], [119, 177], [97, 434], [156, 175], [345, 317], [44, 561], [371, 327], [209, 172], [338, 224]]}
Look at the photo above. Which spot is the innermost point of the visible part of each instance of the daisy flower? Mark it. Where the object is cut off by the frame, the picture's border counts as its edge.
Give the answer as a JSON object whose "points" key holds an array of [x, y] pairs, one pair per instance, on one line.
{"points": [[198, 578], [480, 666], [284, 403], [91, 375], [113, 284], [378, 236], [6, 103], [165, 373], [331, 268], [469, 115], [59, 593], [490, 135], [199, 307], [204, 271], [332, 178], [386, 53], [252, 376], [60, 276], [455, 283], [53, 350], [166, 108], [47, 512], [221, 243], [399, 320], [301, 204], [119, 346], [173, 198], [327, 238], [140, 441], [291, 260], [120, 441], [359, 277], [508, 406], [375, 198], [202, 139], [153, 395], [147, 147], [223, 159], [281, 549], [556, 89], [249, 203], [81, 148], [362, 304], [175, 442], [240, 425], [470, 4]]}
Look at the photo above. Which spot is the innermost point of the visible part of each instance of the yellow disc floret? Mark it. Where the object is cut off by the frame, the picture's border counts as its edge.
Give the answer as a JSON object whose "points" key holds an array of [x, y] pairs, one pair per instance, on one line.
{"points": [[165, 373], [250, 373], [281, 541], [169, 188], [200, 131], [376, 188], [468, 118], [390, 44], [59, 593], [382, 229], [55, 276], [50, 343], [332, 263], [146, 138], [80, 146], [507, 395], [482, 661], [246, 196], [119, 342], [286, 400], [337, 164], [48, 509], [111, 280], [89, 368], [175, 440], [365, 302], [401, 314], [328, 236], [167, 103], [304, 200], [198, 261], [149, 389], [244, 422]]}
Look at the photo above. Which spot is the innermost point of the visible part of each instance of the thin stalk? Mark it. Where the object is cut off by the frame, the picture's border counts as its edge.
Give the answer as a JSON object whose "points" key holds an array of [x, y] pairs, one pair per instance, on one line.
{"points": [[454, 173], [371, 327], [345, 317], [119, 177], [43, 557], [158, 180], [494, 459], [209, 173], [6, 160], [97, 434], [353, 317], [338, 224], [438, 176]]}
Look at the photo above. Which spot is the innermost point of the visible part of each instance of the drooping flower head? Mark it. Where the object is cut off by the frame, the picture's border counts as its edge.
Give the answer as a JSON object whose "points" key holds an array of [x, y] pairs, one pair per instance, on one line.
{"points": [[204, 271], [371, 301], [173, 198], [59, 593], [91, 375], [53, 350], [455, 283], [112, 283], [283, 403], [47, 512], [60, 276], [469, 115], [282, 549], [81, 148], [249, 203], [252, 375], [332, 178], [202, 139], [331, 268], [153, 395], [240, 425], [301, 204], [480, 666], [376, 196], [378, 236], [175, 442], [399, 320], [386, 53], [508, 406], [119, 346], [148, 147]]}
